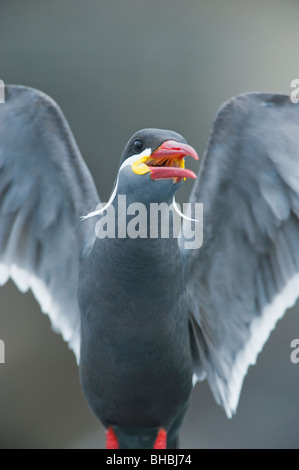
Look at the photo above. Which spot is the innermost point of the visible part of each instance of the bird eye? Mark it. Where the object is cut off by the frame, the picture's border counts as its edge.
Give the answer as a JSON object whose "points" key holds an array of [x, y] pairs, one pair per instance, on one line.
{"points": [[138, 145]]}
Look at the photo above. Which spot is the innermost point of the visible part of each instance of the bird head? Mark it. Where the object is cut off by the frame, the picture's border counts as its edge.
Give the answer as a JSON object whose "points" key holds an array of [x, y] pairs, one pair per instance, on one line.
{"points": [[152, 168], [153, 163]]}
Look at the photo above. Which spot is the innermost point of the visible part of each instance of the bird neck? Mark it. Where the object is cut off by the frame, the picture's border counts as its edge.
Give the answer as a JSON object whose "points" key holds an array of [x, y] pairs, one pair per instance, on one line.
{"points": [[136, 254], [127, 218]]}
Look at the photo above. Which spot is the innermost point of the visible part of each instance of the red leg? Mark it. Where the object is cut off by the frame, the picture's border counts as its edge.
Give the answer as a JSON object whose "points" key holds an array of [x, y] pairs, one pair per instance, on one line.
{"points": [[161, 440], [111, 439]]}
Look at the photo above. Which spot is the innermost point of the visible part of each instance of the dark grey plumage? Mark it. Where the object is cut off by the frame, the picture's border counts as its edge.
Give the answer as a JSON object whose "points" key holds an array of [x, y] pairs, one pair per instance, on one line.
{"points": [[152, 312]]}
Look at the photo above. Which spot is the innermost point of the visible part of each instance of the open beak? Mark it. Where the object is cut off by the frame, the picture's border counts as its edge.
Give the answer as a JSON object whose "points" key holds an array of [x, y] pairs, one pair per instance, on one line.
{"points": [[167, 161]]}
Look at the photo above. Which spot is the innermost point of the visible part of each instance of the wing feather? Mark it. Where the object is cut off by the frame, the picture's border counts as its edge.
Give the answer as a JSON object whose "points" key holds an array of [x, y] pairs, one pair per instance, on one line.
{"points": [[246, 275], [45, 187]]}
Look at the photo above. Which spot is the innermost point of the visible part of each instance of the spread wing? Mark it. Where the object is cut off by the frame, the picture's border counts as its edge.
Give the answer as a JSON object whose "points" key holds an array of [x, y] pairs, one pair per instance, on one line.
{"points": [[45, 187], [246, 275]]}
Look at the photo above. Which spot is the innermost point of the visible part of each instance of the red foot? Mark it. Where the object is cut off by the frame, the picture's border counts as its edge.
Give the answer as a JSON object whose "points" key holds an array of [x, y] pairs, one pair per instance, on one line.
{"points": [[111, 439], [161, 440]]}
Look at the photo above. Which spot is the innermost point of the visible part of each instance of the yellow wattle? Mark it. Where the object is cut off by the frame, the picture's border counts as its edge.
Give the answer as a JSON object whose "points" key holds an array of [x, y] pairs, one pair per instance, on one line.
{"points": [[139, 167], [182, 165]]}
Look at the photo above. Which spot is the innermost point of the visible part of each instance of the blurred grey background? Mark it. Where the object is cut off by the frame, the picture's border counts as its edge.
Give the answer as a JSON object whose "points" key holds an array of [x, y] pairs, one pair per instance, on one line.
{"points": [[114, 67]]}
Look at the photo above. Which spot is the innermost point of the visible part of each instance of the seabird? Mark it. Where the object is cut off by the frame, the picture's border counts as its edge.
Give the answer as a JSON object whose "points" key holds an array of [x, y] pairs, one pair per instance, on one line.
{"points": [[147, 316]]}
